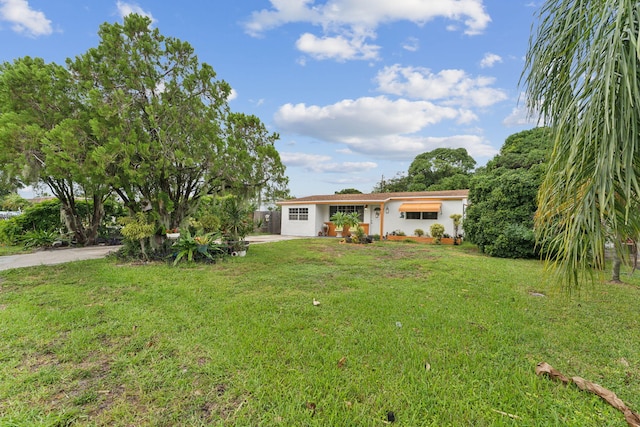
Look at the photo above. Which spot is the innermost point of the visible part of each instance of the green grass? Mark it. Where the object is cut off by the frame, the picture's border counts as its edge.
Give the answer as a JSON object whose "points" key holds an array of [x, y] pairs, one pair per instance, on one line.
{"points": [[439, 335], [12, 250]]}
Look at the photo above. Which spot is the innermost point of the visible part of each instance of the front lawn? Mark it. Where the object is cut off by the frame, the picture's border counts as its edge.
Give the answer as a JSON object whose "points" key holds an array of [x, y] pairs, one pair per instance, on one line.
{"points": [[438, 335]]}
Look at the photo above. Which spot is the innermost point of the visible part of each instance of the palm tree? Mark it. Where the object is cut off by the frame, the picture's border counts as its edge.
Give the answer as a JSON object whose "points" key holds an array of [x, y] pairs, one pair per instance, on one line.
{"points": [[582, 76]]}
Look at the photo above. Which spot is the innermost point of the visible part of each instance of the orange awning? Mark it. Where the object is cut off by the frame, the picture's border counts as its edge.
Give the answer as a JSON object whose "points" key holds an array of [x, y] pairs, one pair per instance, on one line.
{"points": [[420, 207]]}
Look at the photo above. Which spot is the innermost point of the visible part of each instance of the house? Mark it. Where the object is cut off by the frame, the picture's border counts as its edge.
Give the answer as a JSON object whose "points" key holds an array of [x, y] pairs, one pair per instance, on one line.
{"points": [[380, 213]]}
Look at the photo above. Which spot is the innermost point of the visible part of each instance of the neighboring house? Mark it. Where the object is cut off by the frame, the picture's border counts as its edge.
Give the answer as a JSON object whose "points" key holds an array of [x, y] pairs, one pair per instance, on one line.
{"points": [[380, 213]]}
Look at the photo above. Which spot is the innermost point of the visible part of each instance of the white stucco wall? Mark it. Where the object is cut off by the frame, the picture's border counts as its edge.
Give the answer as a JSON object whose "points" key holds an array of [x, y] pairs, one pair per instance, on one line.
{"points": [[319, 214], [299, 228], [393, 222]]}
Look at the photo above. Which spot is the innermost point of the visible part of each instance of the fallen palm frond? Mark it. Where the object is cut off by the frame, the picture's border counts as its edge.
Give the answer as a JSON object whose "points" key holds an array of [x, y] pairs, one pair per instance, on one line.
{"points": [[610, 397]]}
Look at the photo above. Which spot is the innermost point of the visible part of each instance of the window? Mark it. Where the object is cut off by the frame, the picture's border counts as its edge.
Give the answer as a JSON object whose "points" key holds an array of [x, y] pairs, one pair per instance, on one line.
{"points": [[348, 209], [422, 215], [298, 214]]}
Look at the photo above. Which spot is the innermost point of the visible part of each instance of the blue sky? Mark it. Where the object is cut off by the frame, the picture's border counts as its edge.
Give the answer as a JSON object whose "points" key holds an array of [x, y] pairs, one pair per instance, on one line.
{"points": [[355, 88]]}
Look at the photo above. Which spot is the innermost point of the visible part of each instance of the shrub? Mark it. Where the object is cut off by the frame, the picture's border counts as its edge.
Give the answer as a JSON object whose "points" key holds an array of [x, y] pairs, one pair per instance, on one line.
{"points": [[437, 232], [516, 241], [418, 232], [198, 248], [10, 231], [138, 229], [40, 238]]}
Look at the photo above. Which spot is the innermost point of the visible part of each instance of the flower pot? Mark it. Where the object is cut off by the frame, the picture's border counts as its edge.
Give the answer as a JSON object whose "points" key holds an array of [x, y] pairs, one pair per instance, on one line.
{"points": [[173, 236]]}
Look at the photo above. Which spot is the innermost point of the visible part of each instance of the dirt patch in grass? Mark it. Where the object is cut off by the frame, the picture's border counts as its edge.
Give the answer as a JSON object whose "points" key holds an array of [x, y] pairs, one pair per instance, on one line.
{"points": [[222, 408]]}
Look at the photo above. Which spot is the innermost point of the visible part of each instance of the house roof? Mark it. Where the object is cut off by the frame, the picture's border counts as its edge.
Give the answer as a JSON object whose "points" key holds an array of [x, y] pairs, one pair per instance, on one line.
{"points": [[378, 197]]}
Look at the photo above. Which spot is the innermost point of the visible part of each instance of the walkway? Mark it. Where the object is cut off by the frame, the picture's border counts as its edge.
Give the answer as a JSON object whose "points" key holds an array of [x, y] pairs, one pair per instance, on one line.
{"points": [[59, 256]]}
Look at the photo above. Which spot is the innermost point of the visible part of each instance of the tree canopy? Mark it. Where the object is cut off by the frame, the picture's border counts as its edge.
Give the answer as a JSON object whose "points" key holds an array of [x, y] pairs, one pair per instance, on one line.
{"points": [[439, 169], [349, 191], [139, 116], [502, 196], [582, 76]]}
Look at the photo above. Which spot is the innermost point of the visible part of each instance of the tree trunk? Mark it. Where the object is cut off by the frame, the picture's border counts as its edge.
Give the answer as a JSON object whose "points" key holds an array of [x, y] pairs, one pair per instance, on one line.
{"points": [[615, 273]]}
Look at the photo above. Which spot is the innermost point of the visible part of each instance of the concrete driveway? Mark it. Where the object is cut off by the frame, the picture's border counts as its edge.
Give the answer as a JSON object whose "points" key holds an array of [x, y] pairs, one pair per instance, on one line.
{"points": [[59, 256], [54, 256]]}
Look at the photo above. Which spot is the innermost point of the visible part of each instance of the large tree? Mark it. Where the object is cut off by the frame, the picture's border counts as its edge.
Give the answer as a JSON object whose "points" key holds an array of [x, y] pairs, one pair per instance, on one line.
{"points": [[137, 115], [583, 77], [164, 118], [502, 196], [44, 138], [441, 169]]}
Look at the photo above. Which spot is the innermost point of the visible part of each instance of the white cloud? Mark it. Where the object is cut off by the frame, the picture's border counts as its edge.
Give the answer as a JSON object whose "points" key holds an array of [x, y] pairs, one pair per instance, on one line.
{"points": [[348, 24], [489, 60], [125, 9], [365, 116], [339, 48], [412, 44], [232, 95], [520, 116], [379, 127], [451, 87], [318, 163], [369, 14], [24, 19], [302, 159]]}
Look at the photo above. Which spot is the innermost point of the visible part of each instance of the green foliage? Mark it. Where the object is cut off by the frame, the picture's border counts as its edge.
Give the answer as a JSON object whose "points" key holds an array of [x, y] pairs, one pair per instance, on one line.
{"points": [[398, 183], [418, 232], [582, 76], [343, 219], [198, 248], [349, 191], [236, 218], [137, 227], [13, 202], [10, 232], [138, 116], [39, 238], [503, 196], [441, 169], [359, 236], [45, 138], [515, 241], [437, 232]]}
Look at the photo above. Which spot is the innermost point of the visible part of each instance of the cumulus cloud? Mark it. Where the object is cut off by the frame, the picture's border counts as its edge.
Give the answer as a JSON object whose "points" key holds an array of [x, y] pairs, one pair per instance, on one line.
{"points": [[378, 126], [489, 60], [348, 24], [367, 116], [339, 48], [318, 163], [125, 9], [451, 87], [24, 19], [370, 14]]}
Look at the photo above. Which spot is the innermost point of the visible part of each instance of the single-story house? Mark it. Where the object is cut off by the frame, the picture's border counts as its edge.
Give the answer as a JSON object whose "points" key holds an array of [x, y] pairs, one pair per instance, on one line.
{"points": [[380, 213]]}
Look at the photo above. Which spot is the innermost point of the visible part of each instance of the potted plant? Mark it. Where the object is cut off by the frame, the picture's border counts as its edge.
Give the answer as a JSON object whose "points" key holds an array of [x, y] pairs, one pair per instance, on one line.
{"points": [[339, 219], [236, 223], [343, 221], [172, 233]]}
